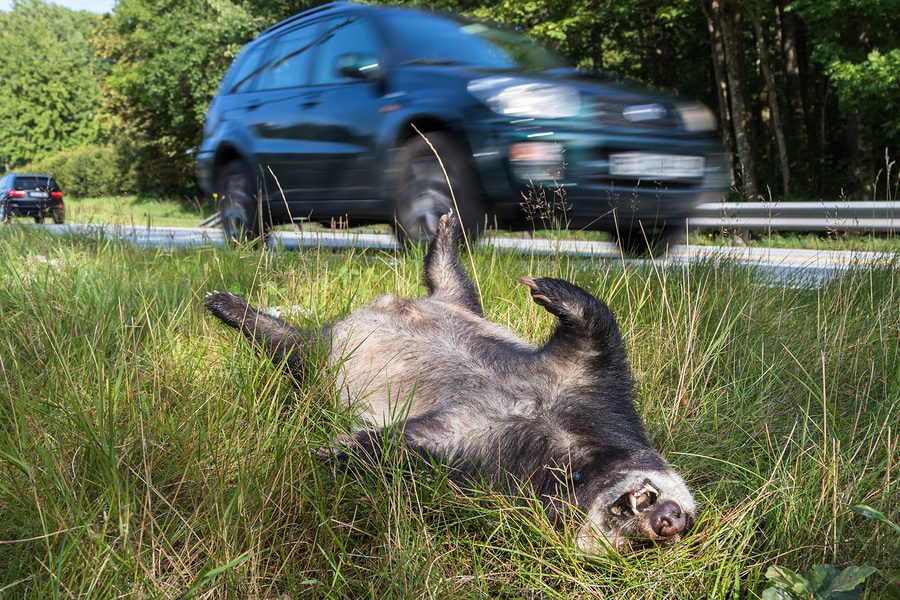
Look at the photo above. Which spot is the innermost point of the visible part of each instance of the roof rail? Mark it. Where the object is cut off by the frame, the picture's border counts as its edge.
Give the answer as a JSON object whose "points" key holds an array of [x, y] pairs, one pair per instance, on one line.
{"points": [[306, 13]]}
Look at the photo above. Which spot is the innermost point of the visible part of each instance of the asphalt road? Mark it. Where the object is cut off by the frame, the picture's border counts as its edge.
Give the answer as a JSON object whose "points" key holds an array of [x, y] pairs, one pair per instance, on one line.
{"points": [[781, 265]]}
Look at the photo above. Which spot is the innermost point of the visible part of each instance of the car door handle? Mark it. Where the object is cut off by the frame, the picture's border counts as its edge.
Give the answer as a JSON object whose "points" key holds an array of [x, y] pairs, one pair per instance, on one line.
{"points": [[251, 106], [310, 101]]}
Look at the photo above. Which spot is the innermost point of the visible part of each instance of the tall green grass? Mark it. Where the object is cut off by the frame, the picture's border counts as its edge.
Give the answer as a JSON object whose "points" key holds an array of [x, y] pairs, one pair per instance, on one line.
{"points": [[136, 210], [147, 451]]}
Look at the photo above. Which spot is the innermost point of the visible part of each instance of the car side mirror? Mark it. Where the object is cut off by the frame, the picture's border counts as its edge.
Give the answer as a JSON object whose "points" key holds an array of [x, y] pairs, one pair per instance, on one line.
{"points": [[359, 66]]}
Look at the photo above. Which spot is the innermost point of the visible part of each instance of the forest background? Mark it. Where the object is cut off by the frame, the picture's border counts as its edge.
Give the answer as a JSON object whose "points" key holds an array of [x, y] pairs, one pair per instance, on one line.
{"points": [[807, 92]]}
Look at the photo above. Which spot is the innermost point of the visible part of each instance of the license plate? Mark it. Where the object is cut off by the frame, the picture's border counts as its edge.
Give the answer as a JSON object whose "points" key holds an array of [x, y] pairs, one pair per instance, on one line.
{"points": [[38, 195], [655, 166]]}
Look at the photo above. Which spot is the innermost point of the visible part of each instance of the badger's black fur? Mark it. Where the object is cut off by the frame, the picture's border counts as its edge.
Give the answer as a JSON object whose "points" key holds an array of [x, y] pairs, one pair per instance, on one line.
{"points": [[559, 417]]}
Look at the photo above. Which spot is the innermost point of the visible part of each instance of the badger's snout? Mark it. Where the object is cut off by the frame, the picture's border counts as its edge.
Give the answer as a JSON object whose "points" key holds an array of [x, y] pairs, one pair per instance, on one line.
{"points": [[667, 519]]}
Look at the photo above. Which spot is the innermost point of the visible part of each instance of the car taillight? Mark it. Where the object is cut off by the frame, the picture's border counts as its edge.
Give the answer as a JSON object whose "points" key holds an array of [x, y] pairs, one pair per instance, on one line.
{"points": [[57, 195], [16, 194]]}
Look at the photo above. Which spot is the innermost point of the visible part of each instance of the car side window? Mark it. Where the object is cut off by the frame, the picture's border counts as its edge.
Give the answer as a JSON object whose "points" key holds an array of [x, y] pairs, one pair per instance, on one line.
{"points": [[288, 62], [246, 71], [350, 34]]}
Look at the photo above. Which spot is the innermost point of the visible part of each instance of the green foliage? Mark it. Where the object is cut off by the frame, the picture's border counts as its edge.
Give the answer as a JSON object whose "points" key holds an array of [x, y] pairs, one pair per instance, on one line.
{"points": [[642, 40], [876, 515], [167, 60], [822, 582], [858, 45], [871, 88], [49, 79], [90, 170]]}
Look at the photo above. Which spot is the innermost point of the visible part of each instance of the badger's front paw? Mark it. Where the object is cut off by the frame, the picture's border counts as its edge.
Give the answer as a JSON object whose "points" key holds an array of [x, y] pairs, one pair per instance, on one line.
{"points": [[228, 308]]}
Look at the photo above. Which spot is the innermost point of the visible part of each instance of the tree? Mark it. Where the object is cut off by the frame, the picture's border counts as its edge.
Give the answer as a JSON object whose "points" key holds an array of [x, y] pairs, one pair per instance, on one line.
{"points": [[762, 48], [167, 59], [857, 47], [49, 77], [727, 17]]}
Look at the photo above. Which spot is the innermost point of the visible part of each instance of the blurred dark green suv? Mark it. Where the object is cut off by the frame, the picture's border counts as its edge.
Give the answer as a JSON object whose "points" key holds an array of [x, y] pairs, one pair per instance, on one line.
{"points": [[342, 111]]}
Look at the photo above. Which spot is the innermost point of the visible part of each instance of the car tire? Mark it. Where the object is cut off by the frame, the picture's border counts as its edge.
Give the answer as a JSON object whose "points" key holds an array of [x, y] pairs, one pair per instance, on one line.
{"points": [[421, 194], [58, 215], [649, 241], [238, 205]]}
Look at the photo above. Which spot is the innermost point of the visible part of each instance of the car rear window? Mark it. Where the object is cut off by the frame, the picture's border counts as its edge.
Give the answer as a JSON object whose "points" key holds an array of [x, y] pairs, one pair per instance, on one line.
{"points": [[443, 39], [33, 183]]}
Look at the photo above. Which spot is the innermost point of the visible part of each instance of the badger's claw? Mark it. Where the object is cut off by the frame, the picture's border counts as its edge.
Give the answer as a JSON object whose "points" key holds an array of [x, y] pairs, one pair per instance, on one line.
{"points": [[448, 230], [536, 294], [340, 447], [561, 298], [227, 307]]}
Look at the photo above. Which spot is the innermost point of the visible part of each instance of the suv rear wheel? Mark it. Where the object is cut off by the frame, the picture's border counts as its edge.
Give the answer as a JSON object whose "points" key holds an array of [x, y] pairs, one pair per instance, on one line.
{"points": [[238, 204], [421, 192]]}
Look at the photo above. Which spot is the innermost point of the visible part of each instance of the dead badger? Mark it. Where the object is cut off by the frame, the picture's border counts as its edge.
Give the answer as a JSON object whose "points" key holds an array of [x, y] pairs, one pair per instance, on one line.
{"points": [[559, 418]]}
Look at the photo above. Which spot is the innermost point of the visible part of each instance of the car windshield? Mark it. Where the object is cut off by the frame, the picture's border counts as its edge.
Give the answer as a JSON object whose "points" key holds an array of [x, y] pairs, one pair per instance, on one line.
{"points": [[423, 38], [33, 183]]}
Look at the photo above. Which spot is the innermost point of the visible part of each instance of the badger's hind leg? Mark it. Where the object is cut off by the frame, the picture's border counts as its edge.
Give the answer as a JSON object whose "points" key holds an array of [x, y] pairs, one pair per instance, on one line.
{"points": [[278, 340], [445, 277]]}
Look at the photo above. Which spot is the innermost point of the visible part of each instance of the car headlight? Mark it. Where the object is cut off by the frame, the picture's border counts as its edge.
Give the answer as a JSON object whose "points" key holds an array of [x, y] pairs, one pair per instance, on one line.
{"points": [[696, 117], [509, 96]]}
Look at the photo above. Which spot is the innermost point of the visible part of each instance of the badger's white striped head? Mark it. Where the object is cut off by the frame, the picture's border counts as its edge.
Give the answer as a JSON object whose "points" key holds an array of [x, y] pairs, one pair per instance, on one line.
{"points": [[653, 505]]}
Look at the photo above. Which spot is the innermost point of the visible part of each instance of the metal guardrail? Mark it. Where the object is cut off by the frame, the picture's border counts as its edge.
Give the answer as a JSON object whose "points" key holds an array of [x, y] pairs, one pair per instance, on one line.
{"points": [[875, 216], [211, 221], [793, 267]]}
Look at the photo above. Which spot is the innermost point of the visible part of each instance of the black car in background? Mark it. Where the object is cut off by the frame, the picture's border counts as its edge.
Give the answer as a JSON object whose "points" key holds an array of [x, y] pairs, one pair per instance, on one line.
{"points": [[320, 117], [37, 196]]}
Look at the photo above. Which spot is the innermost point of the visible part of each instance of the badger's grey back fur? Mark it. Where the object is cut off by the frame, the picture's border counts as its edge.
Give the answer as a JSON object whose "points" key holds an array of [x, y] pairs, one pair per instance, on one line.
{"points": [[559, 417]]}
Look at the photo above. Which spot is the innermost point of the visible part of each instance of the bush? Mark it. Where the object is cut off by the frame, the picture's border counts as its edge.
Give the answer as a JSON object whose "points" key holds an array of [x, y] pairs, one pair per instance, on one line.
{"points": [[89, 170]]}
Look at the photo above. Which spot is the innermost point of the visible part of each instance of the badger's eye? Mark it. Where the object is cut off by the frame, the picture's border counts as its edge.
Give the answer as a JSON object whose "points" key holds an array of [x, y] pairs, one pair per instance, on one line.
{"points": [[577, 476]]}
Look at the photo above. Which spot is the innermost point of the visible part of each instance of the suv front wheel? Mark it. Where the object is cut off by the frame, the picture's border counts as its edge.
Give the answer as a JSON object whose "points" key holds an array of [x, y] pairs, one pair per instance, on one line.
{"points": [[422, 194], [238, 204]]}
